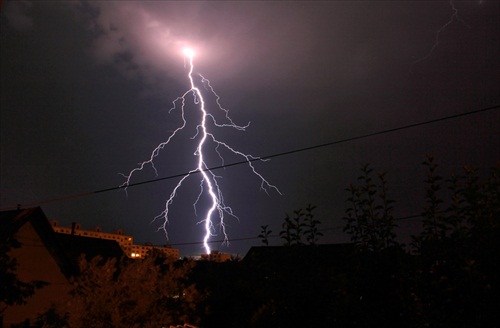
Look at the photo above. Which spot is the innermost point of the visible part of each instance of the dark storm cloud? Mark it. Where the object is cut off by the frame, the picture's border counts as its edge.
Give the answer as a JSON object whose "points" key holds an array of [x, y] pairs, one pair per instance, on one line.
{"points": [[17, 14], [285, 39], [145, 39], [330, 53]]}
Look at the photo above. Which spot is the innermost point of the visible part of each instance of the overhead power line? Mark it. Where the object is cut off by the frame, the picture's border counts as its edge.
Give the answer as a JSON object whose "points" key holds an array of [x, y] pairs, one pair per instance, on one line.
{"points": [[230, 240], [332, 143]]}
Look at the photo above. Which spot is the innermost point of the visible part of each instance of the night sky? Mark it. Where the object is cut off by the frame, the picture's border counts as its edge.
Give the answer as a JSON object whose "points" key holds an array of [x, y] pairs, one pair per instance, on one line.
{"points": [[87, 87]]}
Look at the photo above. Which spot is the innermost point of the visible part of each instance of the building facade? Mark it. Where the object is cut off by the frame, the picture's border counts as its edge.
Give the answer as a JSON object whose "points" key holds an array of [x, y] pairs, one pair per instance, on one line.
{"points": [[126, 242], [216, 256]]}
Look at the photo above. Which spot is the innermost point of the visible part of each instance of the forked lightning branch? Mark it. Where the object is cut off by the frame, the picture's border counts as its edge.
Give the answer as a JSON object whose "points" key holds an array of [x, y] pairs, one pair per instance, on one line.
{"points": [[215, 215]]}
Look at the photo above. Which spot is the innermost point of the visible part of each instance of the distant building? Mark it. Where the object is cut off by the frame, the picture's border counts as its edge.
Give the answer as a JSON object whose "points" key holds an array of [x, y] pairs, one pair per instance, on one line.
{"points": [[126, 242], [216, 256], [46, 256]]}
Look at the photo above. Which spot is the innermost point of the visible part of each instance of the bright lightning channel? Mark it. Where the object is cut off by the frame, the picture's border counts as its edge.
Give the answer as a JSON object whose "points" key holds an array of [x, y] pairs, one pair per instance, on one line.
{"points": [[208, 183]]}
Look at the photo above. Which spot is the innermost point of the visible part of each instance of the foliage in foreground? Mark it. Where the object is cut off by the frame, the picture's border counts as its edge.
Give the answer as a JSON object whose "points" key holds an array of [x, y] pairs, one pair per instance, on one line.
{"points": [[132, 293], [302, 225], [13, 291], [450, 278]]}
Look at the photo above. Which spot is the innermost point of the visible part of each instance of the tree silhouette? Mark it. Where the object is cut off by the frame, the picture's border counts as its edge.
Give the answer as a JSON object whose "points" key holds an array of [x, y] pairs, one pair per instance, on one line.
{"points": [[130, 293], [264, 234], [369, 218], [311, 224], [12, 290], [286, 233], [301, 225]]}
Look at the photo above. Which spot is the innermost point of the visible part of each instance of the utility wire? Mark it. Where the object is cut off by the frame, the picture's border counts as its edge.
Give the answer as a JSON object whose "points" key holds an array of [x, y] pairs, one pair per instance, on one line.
{"points": [[363, 136], [222, 241]]}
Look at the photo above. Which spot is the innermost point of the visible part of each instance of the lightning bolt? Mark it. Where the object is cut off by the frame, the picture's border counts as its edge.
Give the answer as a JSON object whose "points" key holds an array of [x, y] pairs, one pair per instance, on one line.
{"points": [[208, 183], [454, 16]]}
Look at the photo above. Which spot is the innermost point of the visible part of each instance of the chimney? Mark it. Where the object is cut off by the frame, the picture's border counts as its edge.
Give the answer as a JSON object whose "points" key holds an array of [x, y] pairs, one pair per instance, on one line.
{"points": [[73, 226]]}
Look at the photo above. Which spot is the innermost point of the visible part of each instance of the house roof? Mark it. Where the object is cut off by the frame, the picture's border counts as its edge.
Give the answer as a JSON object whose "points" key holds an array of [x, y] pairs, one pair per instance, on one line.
{"points": [[65, 249], [76, 246], [12, 221], [317, 255]]}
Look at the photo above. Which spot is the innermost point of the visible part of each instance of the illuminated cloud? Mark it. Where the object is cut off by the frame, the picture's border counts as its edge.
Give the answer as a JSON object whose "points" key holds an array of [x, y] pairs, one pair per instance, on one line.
{"points": [[145, 39]]}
